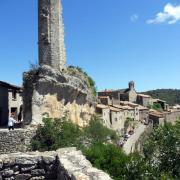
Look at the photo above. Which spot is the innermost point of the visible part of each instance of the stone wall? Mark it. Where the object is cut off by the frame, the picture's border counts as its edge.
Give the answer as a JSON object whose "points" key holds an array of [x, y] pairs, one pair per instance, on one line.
{"points": [[63, 164], [172, 116], [17, 140], [144, 136]]}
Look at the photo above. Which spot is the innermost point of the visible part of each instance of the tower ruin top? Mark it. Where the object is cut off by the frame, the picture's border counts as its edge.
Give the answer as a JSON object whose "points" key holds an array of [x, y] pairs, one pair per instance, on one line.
{"points": [[51, 34]]}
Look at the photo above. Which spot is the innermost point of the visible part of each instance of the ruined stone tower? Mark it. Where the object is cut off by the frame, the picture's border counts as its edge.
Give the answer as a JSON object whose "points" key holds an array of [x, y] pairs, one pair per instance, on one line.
{"points": [[51, 34]]}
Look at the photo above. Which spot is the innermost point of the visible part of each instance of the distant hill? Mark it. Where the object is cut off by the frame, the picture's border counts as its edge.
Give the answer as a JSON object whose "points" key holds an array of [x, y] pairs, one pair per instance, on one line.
{"points": [[171, 96]]}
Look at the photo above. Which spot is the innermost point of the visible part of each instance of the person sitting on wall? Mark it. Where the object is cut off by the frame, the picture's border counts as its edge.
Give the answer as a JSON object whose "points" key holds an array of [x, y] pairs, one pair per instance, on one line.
{"points": [[11, 122]]}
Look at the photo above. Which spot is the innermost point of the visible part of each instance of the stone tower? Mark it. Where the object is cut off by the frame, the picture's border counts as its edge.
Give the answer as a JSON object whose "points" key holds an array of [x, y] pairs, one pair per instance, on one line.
{"points": [[51, 34], [131, 85]]}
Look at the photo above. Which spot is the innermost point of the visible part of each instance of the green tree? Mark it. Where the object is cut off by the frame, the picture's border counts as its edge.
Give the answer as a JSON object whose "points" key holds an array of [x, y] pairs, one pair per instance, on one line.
{"points": [[97, 132], [108, 158], [162, 149], [56, 133]]}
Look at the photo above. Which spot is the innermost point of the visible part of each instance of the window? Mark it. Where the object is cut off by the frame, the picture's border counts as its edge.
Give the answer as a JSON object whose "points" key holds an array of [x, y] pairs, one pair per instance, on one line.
{"points": [[14, 95]]}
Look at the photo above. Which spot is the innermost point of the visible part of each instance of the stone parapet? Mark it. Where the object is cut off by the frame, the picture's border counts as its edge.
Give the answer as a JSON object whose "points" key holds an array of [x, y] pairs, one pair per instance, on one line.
{"points": [[63, 164]]}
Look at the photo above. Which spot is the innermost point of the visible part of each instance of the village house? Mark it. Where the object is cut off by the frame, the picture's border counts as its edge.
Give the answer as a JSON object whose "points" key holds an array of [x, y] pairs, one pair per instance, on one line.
{"points": [[114, 116], [128, 94], [144, 100], [10, 102]]}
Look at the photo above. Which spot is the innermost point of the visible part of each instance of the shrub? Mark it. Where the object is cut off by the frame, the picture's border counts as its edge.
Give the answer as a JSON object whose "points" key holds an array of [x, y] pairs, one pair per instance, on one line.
{"points": [[59, 133], [162, 149], [108, 158], [56, 133], [97, 132]]}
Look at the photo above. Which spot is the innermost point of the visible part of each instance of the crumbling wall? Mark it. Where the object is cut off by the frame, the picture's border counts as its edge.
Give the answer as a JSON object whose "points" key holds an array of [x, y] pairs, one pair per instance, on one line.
{"points": [[63, 164]]}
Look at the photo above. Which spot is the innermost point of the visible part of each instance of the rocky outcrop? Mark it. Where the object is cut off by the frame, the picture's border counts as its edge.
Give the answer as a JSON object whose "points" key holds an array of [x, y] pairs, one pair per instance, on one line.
{"points": [[63, 164], [52, 92]]}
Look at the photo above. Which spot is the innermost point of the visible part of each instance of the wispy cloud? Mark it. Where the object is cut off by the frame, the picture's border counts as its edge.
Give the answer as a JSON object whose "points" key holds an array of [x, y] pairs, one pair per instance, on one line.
{"points": [[134, 17], [170, 15]]}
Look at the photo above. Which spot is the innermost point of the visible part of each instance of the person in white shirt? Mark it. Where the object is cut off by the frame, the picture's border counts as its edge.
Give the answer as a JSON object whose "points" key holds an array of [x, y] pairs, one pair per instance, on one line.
{"points": [[11, 122]]}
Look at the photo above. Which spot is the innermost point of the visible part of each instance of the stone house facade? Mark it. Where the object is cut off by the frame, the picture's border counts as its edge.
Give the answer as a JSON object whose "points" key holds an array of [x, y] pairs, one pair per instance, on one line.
{"points": [[104, 112], [128, 94], [143, 100], [115, 116], [10, 102]]}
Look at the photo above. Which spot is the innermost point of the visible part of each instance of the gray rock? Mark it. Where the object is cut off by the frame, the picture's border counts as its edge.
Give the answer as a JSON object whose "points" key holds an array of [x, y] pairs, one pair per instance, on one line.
{"points": [[51, 167], [28, 168], [37, 172], [28, 160], [10, 161], [22, 177], [49, 159], [15, 168], [38, 178], [7, 172], [1, 164], [9, 178]]}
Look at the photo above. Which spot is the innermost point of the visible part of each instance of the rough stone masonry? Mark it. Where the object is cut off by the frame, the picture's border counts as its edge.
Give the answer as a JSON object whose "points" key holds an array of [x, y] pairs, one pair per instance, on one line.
{"points": [[63, 164], [51, 34]]}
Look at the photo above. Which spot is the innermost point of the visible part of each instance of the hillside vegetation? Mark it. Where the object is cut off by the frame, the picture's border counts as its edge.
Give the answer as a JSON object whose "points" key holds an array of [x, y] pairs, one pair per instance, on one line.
{"points": [[160, 159], [171, 96]]}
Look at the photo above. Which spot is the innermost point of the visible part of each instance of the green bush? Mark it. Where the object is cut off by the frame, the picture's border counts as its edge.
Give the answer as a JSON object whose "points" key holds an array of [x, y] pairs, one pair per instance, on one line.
{"points": [[157, 106], [98, 132], [56, 133], [162, 149], [108, 158], [115, 162], [59, 133], [160, 161]]}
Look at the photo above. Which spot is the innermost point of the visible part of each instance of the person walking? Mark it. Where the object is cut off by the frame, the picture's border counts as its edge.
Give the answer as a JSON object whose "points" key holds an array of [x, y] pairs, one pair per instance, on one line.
{"points": [[11, 122]]}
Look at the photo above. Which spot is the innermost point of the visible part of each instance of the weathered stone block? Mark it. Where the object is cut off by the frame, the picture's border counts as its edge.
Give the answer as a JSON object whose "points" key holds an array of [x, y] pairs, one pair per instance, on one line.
{"points": [[22, 177], [9, 161], [1, 164], [9, 178], [7, 172], [28, 160], [27, 168], [37, 178], [49, 159], [37, 172]]}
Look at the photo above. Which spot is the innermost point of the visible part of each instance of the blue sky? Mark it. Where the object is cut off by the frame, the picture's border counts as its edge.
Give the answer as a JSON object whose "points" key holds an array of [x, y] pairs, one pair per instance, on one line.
{"points": [[115, 41]]}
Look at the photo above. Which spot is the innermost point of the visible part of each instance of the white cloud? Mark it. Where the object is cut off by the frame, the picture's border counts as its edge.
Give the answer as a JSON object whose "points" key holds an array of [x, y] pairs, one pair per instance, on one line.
{"points": [[170, 15], [134, 17]]}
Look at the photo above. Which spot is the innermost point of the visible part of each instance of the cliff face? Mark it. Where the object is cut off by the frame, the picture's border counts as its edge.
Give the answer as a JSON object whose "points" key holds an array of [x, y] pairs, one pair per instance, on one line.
{"points": [[52, 92]]}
